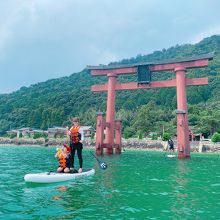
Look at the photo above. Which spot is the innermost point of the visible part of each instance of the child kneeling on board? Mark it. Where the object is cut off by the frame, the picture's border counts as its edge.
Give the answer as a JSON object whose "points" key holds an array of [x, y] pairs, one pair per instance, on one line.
{"points": [[64, 157]]}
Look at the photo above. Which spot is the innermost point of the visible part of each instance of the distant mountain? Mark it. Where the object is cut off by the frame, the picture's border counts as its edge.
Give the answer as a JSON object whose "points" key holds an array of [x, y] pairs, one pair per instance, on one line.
{"points": [[53, 102]]}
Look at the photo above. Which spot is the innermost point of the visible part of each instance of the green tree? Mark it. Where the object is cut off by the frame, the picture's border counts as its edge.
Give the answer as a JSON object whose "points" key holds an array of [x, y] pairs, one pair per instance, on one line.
{"points": [[166, 137], [128, 132], [216, 137]]}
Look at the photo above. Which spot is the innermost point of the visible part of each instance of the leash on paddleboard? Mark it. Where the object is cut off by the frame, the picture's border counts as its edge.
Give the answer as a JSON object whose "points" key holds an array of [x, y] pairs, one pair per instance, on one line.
{"points": [[102, 164]]}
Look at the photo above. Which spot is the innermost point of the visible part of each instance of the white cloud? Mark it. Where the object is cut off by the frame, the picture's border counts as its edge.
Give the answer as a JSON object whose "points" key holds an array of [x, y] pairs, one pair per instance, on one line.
{"points": [[215, 30], [52, 38]]}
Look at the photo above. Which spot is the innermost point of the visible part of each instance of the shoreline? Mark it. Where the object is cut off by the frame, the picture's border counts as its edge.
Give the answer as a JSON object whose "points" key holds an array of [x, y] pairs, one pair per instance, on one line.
{"points": [[122, 151], [128, 144]]}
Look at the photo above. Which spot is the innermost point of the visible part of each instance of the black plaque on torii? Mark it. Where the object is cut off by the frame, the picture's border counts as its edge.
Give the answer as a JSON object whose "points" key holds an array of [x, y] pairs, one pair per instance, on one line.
{"points": [[144, 74]]}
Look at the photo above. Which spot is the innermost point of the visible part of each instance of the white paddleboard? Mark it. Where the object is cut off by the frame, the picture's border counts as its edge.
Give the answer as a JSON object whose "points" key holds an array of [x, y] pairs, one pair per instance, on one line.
{"points": [[171, 155], [53, 177]]}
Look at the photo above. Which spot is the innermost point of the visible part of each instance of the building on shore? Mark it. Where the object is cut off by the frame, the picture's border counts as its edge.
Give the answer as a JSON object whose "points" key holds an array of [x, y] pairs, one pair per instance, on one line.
{"points": [[54, 132], [25, 132]]}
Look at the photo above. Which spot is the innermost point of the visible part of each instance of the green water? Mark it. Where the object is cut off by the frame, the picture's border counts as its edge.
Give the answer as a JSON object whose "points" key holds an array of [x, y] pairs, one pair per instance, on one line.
{"points": [[136, 185]]}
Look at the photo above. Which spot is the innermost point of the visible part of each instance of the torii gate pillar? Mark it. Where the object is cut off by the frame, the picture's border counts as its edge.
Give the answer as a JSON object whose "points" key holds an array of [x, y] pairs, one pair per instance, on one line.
{"points": [[110, 113], [100, 124], [182, 117]]}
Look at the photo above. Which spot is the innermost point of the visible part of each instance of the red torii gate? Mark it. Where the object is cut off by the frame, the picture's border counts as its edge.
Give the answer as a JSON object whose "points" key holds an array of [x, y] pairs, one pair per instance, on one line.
{"points": [[179, 66]]}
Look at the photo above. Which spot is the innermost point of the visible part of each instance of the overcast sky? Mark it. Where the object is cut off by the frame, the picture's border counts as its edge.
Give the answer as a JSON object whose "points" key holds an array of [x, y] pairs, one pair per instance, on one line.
{"points": [[45, 39]]}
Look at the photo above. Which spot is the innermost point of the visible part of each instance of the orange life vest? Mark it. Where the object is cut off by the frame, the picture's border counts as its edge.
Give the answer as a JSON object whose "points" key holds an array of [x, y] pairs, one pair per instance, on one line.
{"points": [[74, 134], [62, 161]]}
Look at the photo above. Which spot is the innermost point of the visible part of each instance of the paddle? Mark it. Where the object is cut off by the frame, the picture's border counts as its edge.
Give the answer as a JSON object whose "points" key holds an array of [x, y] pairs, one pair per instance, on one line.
{"points": [[102, 164]]}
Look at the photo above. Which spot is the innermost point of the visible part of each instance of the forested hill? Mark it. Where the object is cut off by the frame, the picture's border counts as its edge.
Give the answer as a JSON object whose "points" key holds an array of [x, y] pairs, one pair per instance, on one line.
{"points": [[53, 102]]}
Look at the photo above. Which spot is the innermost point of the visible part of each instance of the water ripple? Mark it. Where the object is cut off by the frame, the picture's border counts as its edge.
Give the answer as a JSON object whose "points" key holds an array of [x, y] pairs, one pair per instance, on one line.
{"points": [[136, 185]]}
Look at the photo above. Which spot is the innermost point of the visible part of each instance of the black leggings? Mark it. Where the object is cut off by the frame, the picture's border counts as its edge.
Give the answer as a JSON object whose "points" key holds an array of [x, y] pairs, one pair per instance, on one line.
{"points": [[76, 147]]}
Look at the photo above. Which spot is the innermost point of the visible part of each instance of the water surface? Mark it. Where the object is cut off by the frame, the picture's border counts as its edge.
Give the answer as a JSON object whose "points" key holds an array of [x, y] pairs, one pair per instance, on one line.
{"points": [[136, 185]]}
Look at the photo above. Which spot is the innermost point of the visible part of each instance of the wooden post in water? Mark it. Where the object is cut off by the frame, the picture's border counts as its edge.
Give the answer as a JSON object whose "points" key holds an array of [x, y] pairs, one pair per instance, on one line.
{"points": [[110, 114], [182, 116], [118, 143], [99, 133]]}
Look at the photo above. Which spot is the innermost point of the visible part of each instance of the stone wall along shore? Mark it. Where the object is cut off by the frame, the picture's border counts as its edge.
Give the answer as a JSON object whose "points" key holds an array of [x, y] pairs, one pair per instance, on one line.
{"points": [[157, 145]]}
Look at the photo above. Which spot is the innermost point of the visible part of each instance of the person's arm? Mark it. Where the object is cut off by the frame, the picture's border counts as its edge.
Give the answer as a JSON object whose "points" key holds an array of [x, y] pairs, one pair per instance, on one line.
{"points": [[67, 131], [58, 153], [82, 134]]}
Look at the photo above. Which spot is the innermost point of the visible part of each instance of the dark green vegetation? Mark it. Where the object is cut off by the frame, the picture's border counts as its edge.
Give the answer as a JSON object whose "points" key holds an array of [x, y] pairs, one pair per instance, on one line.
{"points": [[216, 137], [53, 102]]}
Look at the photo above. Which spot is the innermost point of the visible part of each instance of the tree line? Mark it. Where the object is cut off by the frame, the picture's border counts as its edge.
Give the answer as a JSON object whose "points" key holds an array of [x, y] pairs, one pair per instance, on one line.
{"points": [[53, 102]]}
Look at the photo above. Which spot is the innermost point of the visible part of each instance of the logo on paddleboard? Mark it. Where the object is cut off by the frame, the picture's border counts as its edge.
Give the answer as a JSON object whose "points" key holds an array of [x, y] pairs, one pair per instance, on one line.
{"points": [[103, 166]]}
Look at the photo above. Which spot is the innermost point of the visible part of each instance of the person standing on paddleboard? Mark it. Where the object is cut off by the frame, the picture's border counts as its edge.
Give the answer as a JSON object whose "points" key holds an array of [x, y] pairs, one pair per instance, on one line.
{"points": [[76, 137]]}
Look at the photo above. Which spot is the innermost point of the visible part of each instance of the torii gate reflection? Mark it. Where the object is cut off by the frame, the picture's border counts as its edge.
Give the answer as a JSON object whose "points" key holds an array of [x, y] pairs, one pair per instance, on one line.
{"points": [[179, 66]]}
